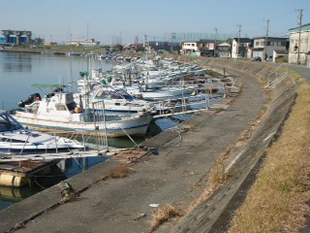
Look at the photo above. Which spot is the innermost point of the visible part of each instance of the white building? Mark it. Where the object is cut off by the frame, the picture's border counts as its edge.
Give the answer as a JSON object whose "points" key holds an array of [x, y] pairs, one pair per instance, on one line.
{"points": [[189, 47], [202, 47], [299, 44], [264, 47], [239, 48], [90, 43]]}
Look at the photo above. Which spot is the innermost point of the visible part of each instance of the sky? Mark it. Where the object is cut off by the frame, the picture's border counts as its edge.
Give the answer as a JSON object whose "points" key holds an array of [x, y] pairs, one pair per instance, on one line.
{"points": [[111, 21]]}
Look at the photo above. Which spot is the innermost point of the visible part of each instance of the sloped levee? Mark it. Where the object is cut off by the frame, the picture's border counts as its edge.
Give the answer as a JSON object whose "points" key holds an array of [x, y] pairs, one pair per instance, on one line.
{"points": [[214, 214]]}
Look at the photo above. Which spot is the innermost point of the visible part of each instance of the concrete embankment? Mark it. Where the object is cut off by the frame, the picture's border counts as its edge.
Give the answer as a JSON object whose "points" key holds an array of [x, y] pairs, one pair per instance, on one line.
{"points": [[177, 174], [213, 214]]}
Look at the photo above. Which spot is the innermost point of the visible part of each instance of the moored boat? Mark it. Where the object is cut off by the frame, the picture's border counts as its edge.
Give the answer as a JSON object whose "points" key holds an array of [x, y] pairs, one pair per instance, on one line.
{"points": [[60, 111], [114, 101], [14, 138], [163, 93]]}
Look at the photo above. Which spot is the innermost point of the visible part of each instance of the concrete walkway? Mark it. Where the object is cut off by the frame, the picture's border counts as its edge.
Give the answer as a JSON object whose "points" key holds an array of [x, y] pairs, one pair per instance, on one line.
{"points": [[177, 176], [303, 70]]}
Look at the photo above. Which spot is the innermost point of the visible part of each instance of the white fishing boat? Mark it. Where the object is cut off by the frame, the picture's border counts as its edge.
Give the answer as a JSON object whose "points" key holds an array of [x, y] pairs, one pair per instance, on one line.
{"points": [[162, 93], [117, 101], [14, 138], [59, 111]]}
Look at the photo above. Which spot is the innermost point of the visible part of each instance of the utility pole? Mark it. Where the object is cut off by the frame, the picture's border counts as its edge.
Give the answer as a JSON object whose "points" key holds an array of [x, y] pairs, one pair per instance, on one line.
{"points": [[266, 41], [173, 37], [215, 29], [87, 32], [136, 40], [146, 45], [239, 33], [299, 24]]}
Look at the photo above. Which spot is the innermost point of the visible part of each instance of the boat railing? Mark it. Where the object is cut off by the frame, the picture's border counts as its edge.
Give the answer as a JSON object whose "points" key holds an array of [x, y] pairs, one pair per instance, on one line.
{"points": [[23, 145], [89, 139]]}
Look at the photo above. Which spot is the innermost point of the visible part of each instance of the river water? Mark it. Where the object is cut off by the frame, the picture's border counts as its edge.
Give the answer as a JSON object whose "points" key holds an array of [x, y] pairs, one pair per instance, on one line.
{"points": [[18, 71]]}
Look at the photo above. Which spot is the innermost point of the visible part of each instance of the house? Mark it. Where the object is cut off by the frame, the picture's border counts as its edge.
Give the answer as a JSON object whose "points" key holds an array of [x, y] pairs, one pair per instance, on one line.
{"points": [[240, 47], [202, 47], [223, 50], [280, 56], [299, 44], [132, 47], [189, 47], [264, 47], [164, 46]]}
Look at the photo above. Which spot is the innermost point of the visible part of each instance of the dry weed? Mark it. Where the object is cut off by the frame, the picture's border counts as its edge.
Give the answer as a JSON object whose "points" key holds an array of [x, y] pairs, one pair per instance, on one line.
{"points": [[121, 171], [244, 136], [162, 215], [280, 194]]}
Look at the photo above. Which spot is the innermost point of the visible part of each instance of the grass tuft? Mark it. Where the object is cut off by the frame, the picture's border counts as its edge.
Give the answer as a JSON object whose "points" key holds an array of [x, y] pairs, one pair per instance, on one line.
{"points": [[121, 171], [162, 215]]}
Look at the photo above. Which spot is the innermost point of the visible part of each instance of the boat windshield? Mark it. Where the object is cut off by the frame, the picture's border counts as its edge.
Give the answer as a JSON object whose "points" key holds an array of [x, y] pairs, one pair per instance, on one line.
{"points": [[123, 94], [8, 123], [114, 94]]}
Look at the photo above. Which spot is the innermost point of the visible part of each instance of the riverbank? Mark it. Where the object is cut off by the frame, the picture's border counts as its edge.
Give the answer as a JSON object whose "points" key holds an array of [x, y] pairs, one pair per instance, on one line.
{"points": [[176, 173], [56, 50], [280, 192]]}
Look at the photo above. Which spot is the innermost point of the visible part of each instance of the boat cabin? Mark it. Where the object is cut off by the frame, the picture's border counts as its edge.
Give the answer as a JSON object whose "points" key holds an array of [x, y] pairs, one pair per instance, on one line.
{"points": [[59, 105]]}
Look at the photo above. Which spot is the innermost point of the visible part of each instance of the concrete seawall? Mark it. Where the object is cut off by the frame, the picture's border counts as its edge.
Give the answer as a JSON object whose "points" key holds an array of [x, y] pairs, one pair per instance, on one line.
{"points": [[177, 175], [213, 214]]}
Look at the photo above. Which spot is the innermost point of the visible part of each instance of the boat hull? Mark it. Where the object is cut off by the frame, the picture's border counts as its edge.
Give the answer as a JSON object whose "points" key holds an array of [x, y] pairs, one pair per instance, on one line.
{"points": [[136, 125], [29, 148], [169, 94]]}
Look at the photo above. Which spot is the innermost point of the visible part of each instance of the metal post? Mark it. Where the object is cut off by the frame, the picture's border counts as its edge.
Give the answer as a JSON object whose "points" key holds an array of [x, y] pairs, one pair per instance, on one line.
{"points": [[266, 42], [239, 32], [300, 23], [214, 55]]}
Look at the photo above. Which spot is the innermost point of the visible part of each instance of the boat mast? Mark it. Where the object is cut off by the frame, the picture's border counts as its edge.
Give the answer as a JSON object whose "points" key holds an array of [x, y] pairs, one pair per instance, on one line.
{"points": [[87, 92]]}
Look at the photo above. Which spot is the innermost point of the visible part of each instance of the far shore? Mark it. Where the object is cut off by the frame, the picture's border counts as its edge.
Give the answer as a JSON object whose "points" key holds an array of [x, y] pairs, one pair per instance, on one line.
{"points": [[54, 49]]}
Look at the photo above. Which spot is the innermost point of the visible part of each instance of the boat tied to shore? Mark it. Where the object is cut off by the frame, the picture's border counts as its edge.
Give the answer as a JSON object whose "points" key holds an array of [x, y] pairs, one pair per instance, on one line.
{"points": [[14, 138], [59, 111]]}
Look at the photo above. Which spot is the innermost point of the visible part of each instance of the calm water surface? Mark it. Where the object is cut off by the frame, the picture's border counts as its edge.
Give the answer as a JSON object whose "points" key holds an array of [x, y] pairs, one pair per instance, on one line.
{"points": [[18, 71]]}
